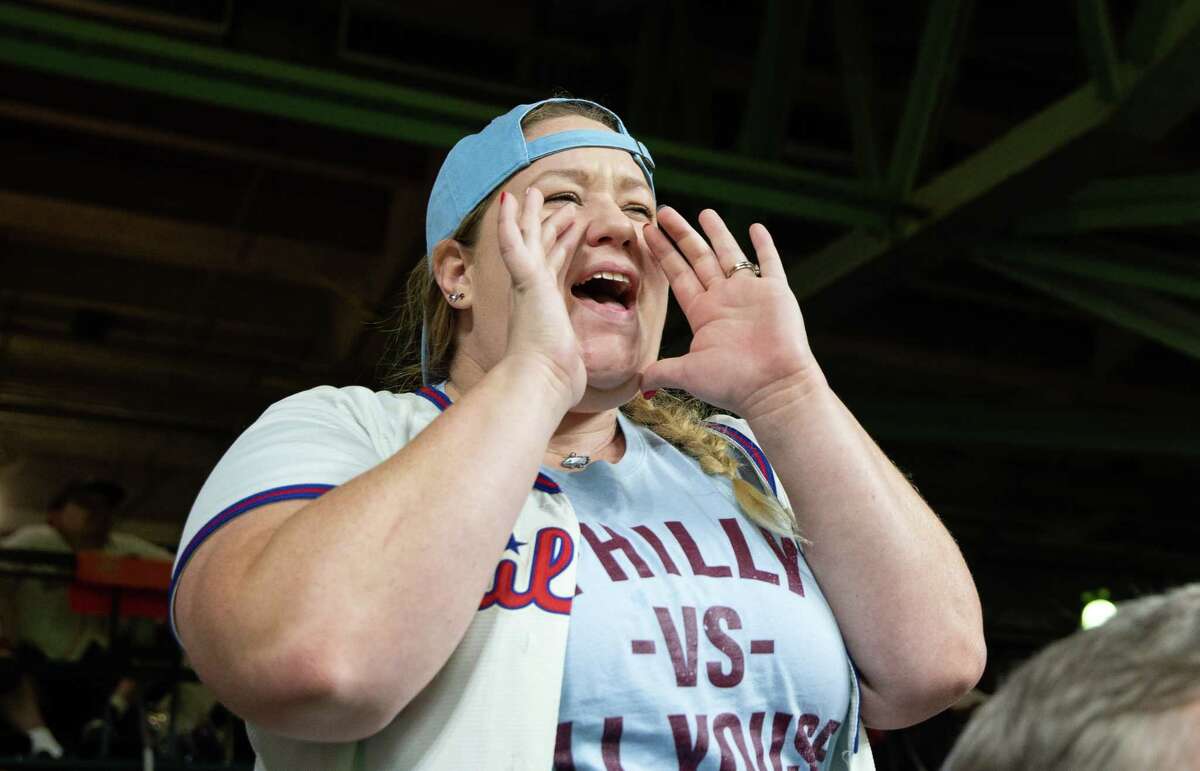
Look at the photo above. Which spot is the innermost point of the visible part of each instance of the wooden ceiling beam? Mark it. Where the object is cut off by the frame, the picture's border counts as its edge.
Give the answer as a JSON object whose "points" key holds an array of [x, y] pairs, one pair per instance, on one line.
{"points": [[37, 356], [169, 293], [206, 276], [92, 229], [29, 434]]}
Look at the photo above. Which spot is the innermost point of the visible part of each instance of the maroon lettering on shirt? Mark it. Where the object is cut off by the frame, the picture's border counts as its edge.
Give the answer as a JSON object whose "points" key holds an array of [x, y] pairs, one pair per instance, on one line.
{"points": [[744, 748], [762, 646], [788, 553], [724, 725], [689, 753], [604, 549], [659, 549], [806, 726], [692, 551], [563, 759], [779, 727], [745, 558], [642, 647], [713, 618], [684, 660], [610, 744], [823, 738]]}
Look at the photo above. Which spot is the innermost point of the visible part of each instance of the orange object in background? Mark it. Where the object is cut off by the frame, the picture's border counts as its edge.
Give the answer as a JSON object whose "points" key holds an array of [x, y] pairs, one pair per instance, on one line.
{"points": [[140, 584]]}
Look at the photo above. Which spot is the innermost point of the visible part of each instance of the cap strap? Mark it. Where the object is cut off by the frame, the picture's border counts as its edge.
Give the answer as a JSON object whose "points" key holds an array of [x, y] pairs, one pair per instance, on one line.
{"points": [[425, 376], [565, 140]]}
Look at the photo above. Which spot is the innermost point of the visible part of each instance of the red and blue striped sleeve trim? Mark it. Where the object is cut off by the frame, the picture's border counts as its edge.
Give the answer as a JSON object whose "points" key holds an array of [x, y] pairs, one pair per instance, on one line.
{"points": [[442, 401], [546, 484], [274, 495], [439, 399], [751, 449]]}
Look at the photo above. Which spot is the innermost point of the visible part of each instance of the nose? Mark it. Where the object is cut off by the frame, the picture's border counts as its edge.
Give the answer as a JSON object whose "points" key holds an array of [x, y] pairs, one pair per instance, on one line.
{"points": [[609, 226]]}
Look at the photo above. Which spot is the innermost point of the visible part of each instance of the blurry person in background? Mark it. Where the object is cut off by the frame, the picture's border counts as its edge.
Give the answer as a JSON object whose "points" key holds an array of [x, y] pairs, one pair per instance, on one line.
{"points": [[1124, 696], [37, 624]]}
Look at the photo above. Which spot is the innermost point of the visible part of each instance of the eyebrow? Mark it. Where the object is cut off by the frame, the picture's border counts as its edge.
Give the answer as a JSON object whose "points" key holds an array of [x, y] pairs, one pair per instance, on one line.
{"points": [[581, 178]]}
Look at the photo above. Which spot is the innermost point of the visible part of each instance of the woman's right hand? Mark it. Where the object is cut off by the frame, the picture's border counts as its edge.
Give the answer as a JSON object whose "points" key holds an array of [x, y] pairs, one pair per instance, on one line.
{"points": [[534, 251]]}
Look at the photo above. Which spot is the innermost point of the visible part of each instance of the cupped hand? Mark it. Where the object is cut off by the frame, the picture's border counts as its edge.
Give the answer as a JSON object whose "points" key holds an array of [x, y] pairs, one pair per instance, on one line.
{"points": [[533, 250], [748, 337]]}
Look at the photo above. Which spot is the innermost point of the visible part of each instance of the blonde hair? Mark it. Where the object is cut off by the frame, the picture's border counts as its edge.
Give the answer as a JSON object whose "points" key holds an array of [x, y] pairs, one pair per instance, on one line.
{"points": [[678, 419]]}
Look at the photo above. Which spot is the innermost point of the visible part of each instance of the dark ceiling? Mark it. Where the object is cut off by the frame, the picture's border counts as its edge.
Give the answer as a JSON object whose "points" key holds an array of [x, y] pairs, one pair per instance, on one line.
{"points": [[989, 210]]}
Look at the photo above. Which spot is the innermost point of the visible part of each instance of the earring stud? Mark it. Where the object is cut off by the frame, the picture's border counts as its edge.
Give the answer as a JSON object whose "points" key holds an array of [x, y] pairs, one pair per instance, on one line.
{"points": [[455, 297]]}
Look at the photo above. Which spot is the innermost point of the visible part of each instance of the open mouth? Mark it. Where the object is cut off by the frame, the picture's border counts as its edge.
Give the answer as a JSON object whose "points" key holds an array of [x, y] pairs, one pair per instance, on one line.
{"points": [[614, 290]]}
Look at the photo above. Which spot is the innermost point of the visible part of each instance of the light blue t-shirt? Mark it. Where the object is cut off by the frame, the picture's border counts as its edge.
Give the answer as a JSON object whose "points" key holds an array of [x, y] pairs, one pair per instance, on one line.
{"points": [[696, 641]]}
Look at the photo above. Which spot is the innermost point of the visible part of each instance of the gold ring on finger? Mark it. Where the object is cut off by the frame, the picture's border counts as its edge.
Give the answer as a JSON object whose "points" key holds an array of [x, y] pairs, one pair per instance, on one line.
{"points": [[743, 265]]}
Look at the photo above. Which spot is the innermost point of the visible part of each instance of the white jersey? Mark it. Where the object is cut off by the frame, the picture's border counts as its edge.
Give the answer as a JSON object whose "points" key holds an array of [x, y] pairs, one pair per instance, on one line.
{"points": [[495, 703]]}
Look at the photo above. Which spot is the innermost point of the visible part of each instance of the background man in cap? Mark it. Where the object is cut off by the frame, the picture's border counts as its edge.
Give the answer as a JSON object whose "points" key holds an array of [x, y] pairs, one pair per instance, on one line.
{"points": [[36, 619]]}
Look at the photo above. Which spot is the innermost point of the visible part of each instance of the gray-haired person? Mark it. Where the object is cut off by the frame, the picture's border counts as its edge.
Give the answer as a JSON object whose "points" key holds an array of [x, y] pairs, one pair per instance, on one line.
{"points": [[1120, 697]]}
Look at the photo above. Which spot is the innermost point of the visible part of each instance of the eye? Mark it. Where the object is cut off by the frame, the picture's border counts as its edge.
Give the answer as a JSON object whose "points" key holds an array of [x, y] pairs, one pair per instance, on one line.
{"points": [[639, 209], [568, 197]]}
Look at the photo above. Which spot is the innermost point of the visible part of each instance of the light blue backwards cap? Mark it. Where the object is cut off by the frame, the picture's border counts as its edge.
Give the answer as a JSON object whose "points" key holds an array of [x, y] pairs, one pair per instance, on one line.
{"points": [[479, 163]]}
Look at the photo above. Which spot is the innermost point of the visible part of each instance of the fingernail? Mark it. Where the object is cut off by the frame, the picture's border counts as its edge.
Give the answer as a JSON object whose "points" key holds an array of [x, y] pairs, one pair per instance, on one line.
{"points": [[648, 395]]}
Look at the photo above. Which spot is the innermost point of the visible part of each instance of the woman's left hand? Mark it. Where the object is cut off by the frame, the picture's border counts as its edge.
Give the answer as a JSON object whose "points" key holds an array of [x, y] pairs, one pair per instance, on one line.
{"points": [[748, 338]]}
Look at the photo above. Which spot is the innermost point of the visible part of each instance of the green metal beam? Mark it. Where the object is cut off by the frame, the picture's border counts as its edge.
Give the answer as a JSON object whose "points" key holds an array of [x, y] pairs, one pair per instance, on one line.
{"points": [[851, 27], [967, 423], [95, 36], [1147, 112], [780, 52], [1146, 34], [1039, 162], [1083, 218], [426, 74], [757, 197], [1095, 32], [1155, 187], [1123, 202], [1173, 280], [783, 35], [197, 24], [1134, 189], [70, 47], [941, 46], [645, 106], [691, 62], [1141, 312]]}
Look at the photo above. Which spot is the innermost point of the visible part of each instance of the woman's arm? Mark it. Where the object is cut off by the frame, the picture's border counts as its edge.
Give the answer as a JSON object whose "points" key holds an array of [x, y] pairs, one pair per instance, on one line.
{"points": [[899, 587], [321, 619], [902, 595]]}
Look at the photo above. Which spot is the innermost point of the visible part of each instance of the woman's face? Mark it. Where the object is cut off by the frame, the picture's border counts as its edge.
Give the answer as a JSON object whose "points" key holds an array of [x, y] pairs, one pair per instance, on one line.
{"points": [[619, 328]]}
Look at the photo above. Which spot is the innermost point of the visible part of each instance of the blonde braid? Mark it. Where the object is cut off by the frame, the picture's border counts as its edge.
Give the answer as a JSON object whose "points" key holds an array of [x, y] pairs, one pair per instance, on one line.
{"points": [[678, 420]]}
